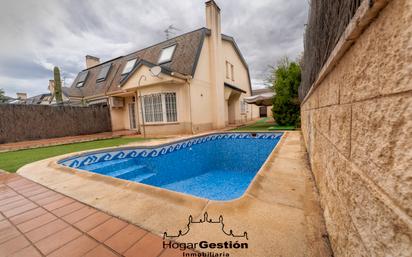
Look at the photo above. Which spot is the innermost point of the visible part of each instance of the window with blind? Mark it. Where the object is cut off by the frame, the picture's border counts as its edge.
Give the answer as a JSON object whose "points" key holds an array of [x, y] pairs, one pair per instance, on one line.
{"points": [[160, 108]]}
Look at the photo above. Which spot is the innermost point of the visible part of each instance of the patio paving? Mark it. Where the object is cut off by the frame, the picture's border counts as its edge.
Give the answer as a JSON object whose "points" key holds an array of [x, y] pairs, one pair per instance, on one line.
{"points": [[36, 221]]}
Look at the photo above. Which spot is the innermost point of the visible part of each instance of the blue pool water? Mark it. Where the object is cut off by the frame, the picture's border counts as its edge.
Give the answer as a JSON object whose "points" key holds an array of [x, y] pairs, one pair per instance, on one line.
{"points": [[216, 166]]}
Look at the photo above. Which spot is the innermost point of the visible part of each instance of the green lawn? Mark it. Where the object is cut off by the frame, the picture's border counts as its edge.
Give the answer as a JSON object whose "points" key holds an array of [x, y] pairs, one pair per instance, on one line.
{"points": [[263, 125], [12, 161]]}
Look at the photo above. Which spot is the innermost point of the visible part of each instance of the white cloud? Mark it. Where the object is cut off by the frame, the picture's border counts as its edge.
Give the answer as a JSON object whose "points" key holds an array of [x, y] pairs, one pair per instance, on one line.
{"points": [[37, 35]]}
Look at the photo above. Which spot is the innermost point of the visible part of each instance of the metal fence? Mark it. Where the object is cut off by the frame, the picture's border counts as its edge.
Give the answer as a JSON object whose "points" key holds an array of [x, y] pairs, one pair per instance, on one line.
{"points": [[327, 21], [30, 122]]}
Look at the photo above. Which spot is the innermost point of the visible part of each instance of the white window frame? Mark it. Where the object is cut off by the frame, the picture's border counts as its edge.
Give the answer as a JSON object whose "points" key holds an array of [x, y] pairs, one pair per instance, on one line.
{"points": [[132, 115], [227, 70], [131, 68], [230, 71], [164, 111], [169, 58], [243, 107]]}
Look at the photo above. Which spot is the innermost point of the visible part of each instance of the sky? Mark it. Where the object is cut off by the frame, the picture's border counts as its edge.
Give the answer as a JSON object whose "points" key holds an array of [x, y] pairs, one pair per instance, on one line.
{"points": [[38, 35]]}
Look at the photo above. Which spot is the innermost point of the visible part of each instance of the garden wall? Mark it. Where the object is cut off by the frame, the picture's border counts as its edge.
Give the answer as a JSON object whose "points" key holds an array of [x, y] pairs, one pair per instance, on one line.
{"points": [[30, 122], [357, 125]]}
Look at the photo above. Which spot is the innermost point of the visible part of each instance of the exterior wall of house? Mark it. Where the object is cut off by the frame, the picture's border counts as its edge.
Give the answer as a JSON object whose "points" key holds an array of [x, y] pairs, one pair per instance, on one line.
{"points": [[183, 124], [120, 116], [152, 85], [240, 80], [357, 126], [201, 93]]}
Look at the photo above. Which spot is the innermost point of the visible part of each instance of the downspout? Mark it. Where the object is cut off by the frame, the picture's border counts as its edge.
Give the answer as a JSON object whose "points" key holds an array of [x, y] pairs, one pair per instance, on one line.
{"points": [[190, 107], [188, 79], [136, 105], [141, 104]]}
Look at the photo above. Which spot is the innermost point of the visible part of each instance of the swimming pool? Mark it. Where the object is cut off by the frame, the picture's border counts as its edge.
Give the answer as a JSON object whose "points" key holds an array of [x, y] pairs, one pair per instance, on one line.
{"points": [[217, 166]]}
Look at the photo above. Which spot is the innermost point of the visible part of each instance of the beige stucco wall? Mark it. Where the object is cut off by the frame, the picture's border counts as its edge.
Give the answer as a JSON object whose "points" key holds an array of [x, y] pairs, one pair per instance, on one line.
{"points": [[240, 80], [182, 125], [202, 95], [120, 116], [150, 85], [358, 130]]}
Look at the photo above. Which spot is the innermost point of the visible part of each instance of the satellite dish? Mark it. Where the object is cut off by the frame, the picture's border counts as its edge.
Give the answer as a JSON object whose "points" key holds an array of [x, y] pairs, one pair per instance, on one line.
{"points": [[156, 70]]}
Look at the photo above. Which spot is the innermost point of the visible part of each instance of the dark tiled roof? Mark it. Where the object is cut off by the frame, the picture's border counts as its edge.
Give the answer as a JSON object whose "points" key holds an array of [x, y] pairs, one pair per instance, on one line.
{"points": [[184, 61], [234, 87]]}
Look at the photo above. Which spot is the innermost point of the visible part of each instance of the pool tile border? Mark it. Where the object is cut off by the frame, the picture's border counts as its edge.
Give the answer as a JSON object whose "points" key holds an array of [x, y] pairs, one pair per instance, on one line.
{"points": [[135, 152]]}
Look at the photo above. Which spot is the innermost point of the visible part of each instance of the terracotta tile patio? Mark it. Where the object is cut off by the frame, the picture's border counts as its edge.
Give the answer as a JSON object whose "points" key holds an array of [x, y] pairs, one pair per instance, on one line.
{"points": [[36, 221]]}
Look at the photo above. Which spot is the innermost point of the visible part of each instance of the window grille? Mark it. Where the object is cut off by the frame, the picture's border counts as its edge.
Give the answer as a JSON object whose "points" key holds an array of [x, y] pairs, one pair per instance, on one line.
{"points": [[160, 108]]}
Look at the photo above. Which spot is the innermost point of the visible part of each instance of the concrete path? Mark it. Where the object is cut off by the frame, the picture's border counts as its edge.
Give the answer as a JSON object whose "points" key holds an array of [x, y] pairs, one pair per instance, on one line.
{"points": [[36, 221]]}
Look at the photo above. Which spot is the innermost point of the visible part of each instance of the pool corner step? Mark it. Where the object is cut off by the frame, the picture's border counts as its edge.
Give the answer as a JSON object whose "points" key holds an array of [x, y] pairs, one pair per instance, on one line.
{"points": [[142, 177], [120, 172], [134, 173], [102, 167]]}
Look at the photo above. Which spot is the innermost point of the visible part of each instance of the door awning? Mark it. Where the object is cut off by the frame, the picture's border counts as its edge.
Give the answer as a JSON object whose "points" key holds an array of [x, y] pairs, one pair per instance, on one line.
{"points": [[234, 88], [265, 99]]}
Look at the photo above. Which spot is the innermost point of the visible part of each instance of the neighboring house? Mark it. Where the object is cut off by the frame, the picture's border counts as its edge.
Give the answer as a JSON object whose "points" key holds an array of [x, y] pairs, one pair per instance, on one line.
{"points": [[263, 97], [202, 82], [45, 98]]}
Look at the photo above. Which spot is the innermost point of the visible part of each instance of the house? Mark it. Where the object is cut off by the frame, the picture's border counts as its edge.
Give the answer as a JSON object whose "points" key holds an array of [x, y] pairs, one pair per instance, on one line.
{"points": [[193, 82], [45, 98]]}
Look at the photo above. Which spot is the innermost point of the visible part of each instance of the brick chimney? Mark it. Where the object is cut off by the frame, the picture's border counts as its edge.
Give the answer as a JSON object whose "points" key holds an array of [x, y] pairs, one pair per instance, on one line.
{"points": [[21, 96], [91, 61], [216, 62]]}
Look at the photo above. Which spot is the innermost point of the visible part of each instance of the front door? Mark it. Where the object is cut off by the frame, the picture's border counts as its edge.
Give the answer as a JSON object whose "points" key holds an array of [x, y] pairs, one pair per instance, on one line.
{"points": [[132, 115], [263, 111]]}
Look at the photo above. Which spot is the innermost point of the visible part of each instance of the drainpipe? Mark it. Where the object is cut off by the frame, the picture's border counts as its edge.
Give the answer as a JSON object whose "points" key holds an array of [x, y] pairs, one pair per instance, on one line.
{"points": [[190, 107], [136, 105], [187, 78], [141, 105]]}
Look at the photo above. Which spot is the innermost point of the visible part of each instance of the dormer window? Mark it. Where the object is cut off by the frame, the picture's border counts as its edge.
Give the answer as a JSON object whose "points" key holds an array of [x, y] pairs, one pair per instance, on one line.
{"points": [[167, 54], [129, 66], [103, 72], [82, 79]]}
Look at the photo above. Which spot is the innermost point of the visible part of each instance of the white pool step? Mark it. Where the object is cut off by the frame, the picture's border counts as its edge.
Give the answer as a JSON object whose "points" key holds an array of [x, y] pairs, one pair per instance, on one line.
{"points": [[142, 177], [135, 173], [120, 172], [107, 165]]}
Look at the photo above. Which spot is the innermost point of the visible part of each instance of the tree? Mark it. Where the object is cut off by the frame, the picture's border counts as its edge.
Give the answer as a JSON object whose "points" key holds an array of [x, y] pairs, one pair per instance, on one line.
{"points": [[57, 86], [3, 97], [286, 106]]}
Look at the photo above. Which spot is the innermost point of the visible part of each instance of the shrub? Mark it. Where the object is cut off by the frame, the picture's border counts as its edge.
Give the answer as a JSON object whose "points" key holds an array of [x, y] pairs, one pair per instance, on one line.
{"points": [[286, 107]]}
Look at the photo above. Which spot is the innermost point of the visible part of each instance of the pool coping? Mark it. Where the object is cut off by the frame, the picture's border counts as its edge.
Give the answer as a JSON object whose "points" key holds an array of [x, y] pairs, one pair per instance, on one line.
{"points": [[57, 164]]}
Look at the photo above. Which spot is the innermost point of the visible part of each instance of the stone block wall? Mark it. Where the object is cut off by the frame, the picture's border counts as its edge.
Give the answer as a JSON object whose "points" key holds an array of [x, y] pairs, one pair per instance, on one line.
{"points": [[357, 126]]}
